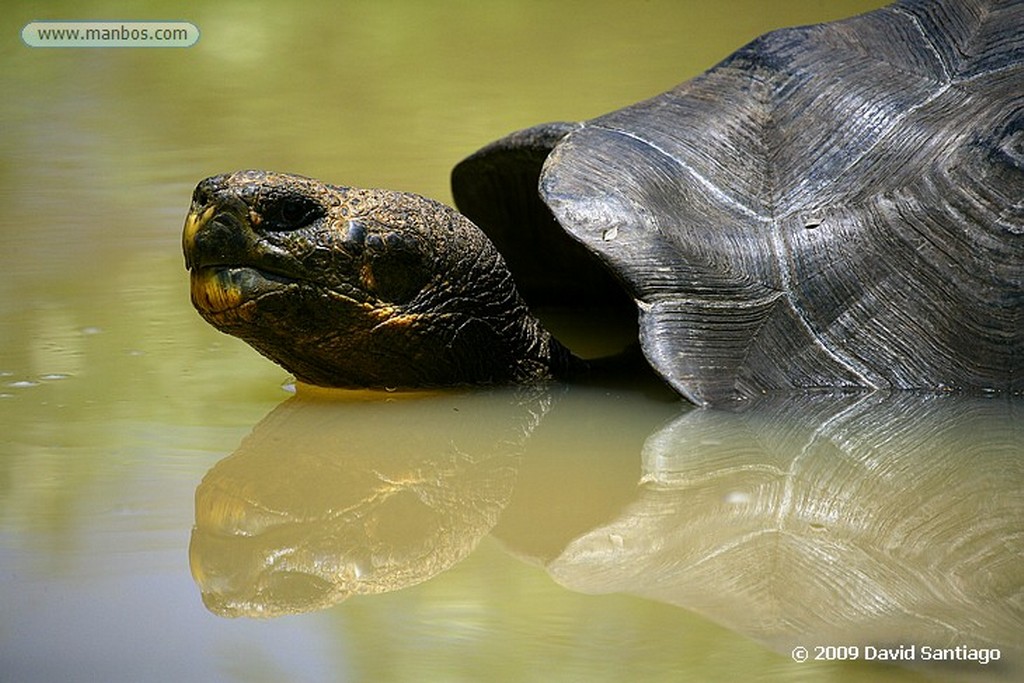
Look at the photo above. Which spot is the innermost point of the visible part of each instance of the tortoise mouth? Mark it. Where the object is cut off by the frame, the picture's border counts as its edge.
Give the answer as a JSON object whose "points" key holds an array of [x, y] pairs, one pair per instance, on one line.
{"points": [[235, 293], [219, 289]]}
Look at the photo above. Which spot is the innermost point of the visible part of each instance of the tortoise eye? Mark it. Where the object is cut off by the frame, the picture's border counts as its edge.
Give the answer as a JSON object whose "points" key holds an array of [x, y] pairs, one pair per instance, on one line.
{"points": [[291, 213]]}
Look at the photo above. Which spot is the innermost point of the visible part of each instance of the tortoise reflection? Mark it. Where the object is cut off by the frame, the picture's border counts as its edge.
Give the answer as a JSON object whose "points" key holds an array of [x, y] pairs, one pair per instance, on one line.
{"points": [[327, 499], [861, 519]]}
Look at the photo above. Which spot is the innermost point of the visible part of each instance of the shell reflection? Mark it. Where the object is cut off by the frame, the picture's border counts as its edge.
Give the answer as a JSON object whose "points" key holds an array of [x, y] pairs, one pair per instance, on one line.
{"points": [[880, 520]]}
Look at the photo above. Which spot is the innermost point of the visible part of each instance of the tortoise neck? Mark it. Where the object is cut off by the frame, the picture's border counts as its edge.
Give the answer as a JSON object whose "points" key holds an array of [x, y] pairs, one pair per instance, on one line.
{"points": [[546, 357], [536, 354]]}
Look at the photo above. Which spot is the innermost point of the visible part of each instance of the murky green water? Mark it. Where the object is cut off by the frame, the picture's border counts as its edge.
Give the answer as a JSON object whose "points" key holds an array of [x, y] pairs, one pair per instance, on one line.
{"points": [[155, 478]]}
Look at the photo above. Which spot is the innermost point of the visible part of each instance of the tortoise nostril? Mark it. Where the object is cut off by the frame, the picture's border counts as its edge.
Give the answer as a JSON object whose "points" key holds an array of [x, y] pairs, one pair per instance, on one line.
{"points": [[206, 191], [201, 195]]}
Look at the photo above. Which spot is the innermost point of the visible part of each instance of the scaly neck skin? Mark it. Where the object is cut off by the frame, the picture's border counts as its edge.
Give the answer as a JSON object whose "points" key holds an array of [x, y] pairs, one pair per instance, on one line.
{"points": [[406, 354], [468, 323], [471, 326], [541, 356]]}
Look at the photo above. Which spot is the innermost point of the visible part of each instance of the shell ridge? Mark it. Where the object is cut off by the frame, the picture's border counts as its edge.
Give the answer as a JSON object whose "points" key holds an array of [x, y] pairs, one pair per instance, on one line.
{"points": [[928, 43], [974, 38], [881, 137], [714, 189], [865, 376], [781, 251]]}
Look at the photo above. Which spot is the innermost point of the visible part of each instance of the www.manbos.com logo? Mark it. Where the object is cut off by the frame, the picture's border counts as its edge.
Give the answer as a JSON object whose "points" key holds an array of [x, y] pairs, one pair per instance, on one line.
{"points": [[110, 34]]}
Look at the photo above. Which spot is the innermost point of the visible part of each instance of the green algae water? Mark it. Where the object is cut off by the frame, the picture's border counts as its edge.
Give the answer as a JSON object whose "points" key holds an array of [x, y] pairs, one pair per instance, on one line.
{"points": [[172, 509]]}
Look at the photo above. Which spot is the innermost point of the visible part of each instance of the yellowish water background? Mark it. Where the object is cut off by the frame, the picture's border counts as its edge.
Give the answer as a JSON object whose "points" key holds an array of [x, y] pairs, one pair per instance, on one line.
{"points": [[155, 477]]}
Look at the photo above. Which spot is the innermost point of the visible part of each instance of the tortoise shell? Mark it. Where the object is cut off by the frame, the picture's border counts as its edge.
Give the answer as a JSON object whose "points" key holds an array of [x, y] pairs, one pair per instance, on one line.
{"points": [[832, 206]]}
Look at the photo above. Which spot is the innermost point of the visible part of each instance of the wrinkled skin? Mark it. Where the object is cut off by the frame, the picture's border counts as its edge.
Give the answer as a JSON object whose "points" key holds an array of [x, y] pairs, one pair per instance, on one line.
{"points": [[348, 287]]}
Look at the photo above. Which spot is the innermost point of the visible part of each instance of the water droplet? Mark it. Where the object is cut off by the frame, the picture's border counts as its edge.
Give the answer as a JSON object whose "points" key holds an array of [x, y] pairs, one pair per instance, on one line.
{"points": [[22, 384], [610, 234], [737, 498], [811, 219], [91, 330], [54, 376], [617, 541]]}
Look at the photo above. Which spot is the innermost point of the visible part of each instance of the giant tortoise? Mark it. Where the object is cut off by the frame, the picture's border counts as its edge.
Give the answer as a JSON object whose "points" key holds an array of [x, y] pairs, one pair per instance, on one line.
{"points": [[833, 206]]}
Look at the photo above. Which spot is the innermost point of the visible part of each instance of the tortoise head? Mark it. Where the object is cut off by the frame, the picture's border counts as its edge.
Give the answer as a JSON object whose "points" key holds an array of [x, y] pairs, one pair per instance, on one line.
{"points": [[353, 287]]}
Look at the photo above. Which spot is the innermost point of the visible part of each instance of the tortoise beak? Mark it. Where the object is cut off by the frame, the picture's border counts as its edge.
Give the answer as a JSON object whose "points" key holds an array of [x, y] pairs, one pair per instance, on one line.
{"points": [[194, 222], [218, 232], [217, 240]]}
